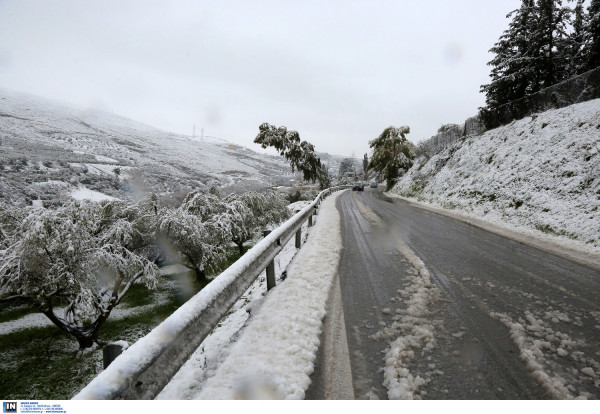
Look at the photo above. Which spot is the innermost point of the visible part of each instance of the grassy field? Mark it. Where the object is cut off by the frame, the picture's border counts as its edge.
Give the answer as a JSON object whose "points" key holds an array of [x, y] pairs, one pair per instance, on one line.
{"points": [[41, 363]]}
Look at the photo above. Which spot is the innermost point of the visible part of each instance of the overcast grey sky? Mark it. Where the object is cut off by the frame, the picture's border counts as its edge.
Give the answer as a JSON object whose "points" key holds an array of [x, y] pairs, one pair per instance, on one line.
{"points": [[338, 72]]}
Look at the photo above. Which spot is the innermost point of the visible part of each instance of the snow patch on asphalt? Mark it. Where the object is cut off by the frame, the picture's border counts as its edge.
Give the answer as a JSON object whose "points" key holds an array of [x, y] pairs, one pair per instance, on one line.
{"points": [[542, 345], [412, 330]]}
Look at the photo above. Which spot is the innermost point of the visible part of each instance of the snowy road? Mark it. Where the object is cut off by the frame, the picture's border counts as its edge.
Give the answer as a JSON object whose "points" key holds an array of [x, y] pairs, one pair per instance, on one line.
{"points": [[435, 308]]}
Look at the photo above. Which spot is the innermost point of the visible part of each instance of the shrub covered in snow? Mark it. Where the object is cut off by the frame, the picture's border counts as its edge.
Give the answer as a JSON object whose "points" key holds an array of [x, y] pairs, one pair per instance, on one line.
{"points": [[10, 218], [392, 154], [202, 228]]}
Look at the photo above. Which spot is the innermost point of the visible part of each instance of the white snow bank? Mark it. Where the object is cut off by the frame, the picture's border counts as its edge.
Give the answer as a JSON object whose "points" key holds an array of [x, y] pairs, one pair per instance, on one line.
{"points": [[275, 355]]}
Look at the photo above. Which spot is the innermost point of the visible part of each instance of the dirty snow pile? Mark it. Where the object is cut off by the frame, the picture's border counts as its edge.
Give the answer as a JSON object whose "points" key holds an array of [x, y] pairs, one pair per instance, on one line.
{"points": [[274, 357], [539, 173]]}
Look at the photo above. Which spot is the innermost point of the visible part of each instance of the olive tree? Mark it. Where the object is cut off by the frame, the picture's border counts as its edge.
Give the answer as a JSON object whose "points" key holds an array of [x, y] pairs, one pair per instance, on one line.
{"points": [[199, 231], [77, 262], [252, 212]]}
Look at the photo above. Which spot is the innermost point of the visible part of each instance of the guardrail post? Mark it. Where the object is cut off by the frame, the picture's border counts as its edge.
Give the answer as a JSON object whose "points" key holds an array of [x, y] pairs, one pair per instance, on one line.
{"points": [[270, 268], [110, 352], [299, 238], [310, 221], [316, 210]]}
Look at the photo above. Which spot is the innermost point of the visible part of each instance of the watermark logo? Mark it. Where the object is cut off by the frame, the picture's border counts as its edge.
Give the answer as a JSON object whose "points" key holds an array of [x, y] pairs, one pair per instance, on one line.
{"points": [[9, 407]]}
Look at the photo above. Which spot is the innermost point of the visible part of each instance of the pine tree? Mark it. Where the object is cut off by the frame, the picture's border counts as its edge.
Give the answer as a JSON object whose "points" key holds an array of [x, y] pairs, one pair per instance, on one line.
{"points": [[549, 42], [534, 52], [593, 46], [576, 42], [512, 67]]}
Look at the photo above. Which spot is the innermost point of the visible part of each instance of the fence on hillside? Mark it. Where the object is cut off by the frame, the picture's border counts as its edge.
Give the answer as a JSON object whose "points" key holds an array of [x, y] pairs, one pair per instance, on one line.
{"points": [[145, 368], [577, 89]]}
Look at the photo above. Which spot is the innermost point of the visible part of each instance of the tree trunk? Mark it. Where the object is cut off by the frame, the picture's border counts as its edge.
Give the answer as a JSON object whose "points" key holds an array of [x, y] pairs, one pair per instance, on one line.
{"points": [[200, 276], [85, 341], [240, 246], [86, 337]]}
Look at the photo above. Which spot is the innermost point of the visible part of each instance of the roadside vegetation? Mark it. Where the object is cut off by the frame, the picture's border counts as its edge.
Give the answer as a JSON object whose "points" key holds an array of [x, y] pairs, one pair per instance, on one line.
{"points": [[76, 263]]}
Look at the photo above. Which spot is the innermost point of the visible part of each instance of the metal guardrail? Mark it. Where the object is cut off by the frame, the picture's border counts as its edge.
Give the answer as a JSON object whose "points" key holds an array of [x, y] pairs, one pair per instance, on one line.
{"points": [[144, 369]]}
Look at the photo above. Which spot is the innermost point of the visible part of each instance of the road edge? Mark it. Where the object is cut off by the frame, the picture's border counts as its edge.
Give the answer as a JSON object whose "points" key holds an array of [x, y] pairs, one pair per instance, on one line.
{"points": [[589, 259]]}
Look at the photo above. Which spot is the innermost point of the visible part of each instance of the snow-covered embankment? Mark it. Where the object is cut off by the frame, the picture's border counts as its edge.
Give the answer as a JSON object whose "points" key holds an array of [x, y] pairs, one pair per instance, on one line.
{"points": [[539, 174]]}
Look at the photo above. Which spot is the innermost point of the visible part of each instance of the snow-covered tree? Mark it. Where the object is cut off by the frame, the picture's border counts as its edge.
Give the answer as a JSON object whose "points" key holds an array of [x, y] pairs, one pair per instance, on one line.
{"points": [[549, 42], [533, 53], [77, 262], [593, 32], [252, 212], [365, 164], [10, 220], [346, 166], [199, 230], [300, 154], [392, 154], [512, 71], [575, 48]]}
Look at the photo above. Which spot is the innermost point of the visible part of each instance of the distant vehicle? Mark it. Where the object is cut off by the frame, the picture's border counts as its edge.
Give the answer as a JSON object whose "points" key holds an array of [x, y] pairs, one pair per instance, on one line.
{"points": [[373, 184], [358, 186]]}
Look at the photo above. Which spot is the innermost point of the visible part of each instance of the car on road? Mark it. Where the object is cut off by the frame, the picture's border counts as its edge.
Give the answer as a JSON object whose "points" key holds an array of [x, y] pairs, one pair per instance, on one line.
{"points": [[358, 186], [373, 184]]}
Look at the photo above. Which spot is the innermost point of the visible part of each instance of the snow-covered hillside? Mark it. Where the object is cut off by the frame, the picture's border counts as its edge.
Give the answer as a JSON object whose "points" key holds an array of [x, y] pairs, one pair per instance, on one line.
{"points": [[541, 172], [50, 151]]}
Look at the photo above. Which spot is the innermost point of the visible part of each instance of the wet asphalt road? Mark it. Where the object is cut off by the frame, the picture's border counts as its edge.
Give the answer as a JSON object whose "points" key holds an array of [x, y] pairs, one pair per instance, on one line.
{"points": [[509, 321]]}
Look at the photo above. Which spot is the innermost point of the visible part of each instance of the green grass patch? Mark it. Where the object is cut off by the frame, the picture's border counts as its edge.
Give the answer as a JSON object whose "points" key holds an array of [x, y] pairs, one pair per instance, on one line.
{"points": [[232, 256], [413, 191], [41, 364], [10, 312]]}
